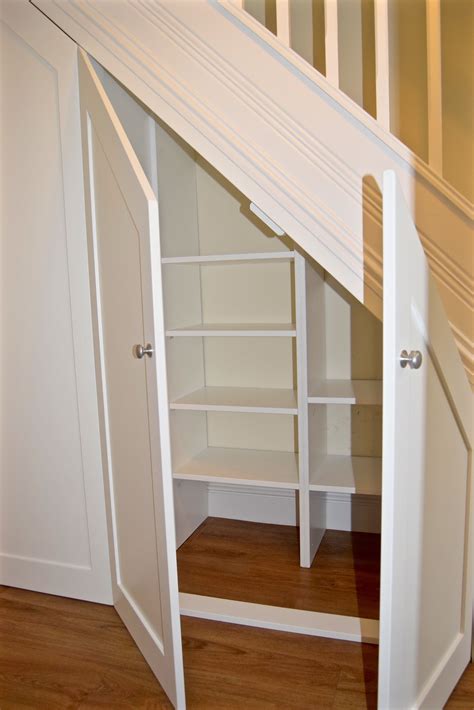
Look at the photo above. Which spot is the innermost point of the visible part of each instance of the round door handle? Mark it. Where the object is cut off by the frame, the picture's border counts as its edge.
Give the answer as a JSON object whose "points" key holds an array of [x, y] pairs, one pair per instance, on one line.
{"points": [[413, 359], [141, 350]]}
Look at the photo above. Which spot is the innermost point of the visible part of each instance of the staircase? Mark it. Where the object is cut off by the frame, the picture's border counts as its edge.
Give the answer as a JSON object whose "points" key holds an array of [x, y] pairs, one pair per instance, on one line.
{"points": [[289, 139]]}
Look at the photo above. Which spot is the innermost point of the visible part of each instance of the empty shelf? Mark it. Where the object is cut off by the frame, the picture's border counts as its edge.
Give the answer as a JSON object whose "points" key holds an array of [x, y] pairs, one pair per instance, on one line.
{"points": [[275, 469], [235, 329], [346, 392], [346, 474], [236, 258], [239, 399]]}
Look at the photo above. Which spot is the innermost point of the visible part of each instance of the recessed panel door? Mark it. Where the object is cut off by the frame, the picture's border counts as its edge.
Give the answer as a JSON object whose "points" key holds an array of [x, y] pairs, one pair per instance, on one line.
{"points": [[125, 260], [425, 618]]}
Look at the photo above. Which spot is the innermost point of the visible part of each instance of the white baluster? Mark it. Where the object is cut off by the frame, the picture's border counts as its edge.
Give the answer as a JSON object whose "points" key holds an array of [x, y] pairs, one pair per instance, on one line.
{"points": [[382, 62], [283, 21], [332, 42], [435, 109]]}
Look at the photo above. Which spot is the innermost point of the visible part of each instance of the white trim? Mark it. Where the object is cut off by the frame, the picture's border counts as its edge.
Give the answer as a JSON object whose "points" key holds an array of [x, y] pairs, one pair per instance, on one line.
{"points": [[259, 504], [296, 621], [283, 21], [331, 33], [382, 63], [435, 107]]}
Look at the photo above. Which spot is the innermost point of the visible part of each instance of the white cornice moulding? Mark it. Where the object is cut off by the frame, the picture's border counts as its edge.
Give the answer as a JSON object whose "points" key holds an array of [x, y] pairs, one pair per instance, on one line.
{"points": [[299, 149]]}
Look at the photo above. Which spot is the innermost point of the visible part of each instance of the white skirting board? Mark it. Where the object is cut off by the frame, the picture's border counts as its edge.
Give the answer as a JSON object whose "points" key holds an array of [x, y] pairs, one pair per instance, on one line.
{"points": [[359, 513], [310, 623]]}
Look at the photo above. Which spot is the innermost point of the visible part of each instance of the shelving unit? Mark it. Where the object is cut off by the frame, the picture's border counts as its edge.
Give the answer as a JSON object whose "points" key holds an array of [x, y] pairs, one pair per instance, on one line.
{"points": [[274, 372]]}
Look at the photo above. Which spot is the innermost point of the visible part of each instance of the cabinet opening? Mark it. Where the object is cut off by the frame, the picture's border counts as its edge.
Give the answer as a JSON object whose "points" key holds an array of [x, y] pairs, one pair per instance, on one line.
{"points": [[274, 388]]}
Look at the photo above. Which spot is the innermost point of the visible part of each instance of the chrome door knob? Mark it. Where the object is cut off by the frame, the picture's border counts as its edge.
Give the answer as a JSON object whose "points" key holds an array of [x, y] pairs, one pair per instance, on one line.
{"points": [[413, 359], [140, 350]]}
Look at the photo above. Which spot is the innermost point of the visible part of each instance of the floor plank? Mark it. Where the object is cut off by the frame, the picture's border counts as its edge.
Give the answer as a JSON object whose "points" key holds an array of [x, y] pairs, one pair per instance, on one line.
{"points": [[58, 653], [259, 563]]}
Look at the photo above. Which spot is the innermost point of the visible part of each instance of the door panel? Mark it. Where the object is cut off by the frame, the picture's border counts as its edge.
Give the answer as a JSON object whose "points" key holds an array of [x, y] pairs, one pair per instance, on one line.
{"points": [[125, 251], [53, 529], [425, 623]]}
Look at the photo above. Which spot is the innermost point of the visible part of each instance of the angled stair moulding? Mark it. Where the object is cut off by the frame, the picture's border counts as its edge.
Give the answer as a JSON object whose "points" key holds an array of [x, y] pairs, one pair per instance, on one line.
{"points": [[291, 143]]}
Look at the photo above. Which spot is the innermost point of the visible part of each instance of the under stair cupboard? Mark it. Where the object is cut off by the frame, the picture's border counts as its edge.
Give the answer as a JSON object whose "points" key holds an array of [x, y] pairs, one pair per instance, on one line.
{"points": [[235, 377]]}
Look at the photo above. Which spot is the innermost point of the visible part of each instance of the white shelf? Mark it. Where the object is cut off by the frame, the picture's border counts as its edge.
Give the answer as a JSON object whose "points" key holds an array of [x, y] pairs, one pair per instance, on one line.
{"points": [[346, 474], [239, 399], [235, 329], [346, 392], [235, 258], [274, 469]]}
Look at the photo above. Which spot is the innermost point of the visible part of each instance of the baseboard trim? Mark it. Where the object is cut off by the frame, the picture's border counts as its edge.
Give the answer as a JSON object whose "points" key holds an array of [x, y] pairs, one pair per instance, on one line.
{"points": [[359, 513], [59, 579], [297, 621]]}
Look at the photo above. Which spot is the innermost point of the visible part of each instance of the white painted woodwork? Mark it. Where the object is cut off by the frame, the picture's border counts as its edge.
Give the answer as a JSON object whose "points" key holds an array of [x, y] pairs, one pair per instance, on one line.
{"points": [[53, 517], [275, 151], [346, 474], [239, 399], [123, 226], [276, 469], [283, 21], [382, 63], [228, 330], [346, 392], [309, 538], [234, 258], [332, 41], [313, 359], [310, 623], [434, 77], [426, 575], [343, 511]]}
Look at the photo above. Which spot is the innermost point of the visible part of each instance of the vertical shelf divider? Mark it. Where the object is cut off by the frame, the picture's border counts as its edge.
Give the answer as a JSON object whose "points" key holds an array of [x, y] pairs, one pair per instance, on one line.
{"points": [[311, 507]]}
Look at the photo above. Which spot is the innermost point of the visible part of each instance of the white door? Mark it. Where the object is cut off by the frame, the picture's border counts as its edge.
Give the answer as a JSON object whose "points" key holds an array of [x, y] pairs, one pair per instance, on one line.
{"points": [[425, 615], [53, 529], [125, 255]]}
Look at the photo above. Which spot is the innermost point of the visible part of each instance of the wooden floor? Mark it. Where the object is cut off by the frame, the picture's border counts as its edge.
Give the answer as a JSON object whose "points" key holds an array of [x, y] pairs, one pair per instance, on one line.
{"points": [[60, 654], [260, 563]]}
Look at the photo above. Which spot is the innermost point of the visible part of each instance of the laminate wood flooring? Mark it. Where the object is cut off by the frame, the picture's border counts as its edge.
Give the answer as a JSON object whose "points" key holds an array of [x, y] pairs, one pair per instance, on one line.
{"points": [[58, 654], [259, 563]]}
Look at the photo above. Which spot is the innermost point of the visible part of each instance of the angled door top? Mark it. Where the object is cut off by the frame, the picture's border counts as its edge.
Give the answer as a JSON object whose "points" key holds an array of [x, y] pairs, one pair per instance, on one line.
{"points": [[125, 254], [425, 618]]}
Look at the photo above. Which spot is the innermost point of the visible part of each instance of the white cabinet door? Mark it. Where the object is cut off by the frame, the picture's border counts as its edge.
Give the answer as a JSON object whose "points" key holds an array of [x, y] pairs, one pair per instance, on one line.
{"points": [[126, 262], [53, 529], [425, 617]]}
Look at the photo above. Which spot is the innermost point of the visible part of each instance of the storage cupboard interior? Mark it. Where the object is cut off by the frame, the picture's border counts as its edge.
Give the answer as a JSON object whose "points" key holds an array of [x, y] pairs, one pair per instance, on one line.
{"points": [[274, 371]]}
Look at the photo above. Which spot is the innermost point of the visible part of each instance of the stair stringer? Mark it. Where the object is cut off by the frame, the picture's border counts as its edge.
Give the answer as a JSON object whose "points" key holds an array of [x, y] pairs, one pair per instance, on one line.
{"points": [[302, 151]]}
